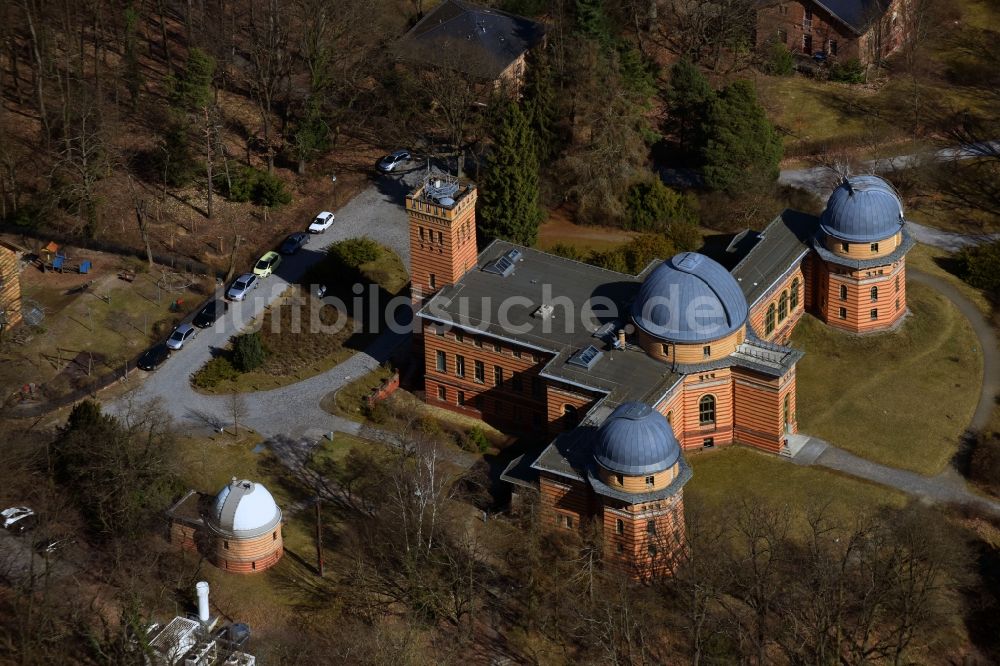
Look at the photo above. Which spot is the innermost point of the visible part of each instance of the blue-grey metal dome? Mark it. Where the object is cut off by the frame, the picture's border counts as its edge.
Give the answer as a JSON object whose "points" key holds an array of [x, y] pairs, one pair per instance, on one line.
{"points": [[636, 440], [689, 299], [863, 209]]}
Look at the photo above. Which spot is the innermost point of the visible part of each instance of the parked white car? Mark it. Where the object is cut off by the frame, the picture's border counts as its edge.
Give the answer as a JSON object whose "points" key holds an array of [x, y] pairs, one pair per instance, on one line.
{"points": [[322, 222], [18, 518]]}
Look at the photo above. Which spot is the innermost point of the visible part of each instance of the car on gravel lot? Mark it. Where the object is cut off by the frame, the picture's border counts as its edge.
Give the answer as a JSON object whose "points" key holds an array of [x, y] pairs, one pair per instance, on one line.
{"points": [[242, 286], [267, 264], [181, 334], [210, 313], [393, 159], [321, 223], [294, 243], [18, 518], [154, 357]]}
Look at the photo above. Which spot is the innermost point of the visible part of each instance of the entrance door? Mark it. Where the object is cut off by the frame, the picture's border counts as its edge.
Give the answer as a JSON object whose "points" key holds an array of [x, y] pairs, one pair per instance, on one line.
{"points": [[807, 44]]}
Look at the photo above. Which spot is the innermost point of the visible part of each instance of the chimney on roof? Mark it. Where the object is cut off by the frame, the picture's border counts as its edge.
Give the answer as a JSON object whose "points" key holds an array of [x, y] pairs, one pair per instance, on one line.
{"points": [[203, 614]]}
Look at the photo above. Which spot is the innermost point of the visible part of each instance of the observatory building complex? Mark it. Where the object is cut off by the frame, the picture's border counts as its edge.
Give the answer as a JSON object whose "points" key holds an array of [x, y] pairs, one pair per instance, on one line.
{"points": [[238, 529], [625, 372]]}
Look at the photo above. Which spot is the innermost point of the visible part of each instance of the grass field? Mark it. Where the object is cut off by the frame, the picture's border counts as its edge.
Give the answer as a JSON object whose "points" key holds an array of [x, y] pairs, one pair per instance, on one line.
{"points": [[736, 473], [901, 398], [560, 229]]}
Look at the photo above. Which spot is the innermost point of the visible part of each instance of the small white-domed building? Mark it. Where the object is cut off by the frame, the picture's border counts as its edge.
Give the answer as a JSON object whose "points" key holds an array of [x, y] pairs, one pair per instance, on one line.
{"points": [[238, 529]]}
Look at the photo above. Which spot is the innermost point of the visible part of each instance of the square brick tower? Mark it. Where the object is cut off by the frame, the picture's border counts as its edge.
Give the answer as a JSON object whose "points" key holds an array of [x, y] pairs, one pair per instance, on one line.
{"points": [[442, 213]]}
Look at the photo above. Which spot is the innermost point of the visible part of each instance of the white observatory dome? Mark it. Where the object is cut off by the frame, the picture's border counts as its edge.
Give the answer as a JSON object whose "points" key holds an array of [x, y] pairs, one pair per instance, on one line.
{"points": [[245, 509]]}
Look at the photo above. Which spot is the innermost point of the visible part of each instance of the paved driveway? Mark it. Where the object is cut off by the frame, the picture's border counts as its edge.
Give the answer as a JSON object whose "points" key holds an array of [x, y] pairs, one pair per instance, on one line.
{"points": [[378, 213]]}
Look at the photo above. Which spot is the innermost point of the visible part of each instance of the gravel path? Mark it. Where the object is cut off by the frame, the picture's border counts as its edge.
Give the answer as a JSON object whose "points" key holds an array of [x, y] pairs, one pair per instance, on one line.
{"points": [[949, 485], [821, 180]]}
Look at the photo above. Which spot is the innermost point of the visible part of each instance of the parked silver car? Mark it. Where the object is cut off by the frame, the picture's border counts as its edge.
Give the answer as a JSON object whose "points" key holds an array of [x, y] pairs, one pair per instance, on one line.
{"points": [[242, 286], [181, 334]]}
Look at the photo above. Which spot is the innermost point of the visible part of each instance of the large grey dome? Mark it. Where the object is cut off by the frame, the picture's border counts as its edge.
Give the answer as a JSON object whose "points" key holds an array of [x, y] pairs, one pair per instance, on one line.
{"points": [[690, 298], [636, 440], [863, 209]]}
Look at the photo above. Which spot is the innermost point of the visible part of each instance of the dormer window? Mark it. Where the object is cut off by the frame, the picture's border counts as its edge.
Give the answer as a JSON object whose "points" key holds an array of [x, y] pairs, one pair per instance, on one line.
{"points": [[650, 480]]}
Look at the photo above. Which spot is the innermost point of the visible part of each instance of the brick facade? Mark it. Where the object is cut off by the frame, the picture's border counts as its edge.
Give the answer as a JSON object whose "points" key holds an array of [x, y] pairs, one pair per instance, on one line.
{"points": [[806, 28]]}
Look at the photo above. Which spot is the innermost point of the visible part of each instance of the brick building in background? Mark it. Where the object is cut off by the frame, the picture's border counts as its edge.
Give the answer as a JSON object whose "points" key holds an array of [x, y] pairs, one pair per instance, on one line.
{"points": [[10, 286], [683, 356], [868, 30]]}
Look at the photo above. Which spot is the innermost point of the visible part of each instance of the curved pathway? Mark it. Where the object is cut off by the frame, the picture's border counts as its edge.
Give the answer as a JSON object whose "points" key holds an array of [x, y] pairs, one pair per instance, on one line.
{"points": [[820, 181], [949, 485]]}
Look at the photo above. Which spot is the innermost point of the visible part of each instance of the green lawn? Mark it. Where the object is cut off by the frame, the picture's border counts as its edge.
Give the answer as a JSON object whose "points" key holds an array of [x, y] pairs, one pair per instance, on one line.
{"points": [[901, 398], [734, 473]]}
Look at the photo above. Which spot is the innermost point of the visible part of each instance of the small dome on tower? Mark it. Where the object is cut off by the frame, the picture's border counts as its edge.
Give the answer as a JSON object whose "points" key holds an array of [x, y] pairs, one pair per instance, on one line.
{"points": [[636, 440], [863, 209], [245, 509], [690, 299]]}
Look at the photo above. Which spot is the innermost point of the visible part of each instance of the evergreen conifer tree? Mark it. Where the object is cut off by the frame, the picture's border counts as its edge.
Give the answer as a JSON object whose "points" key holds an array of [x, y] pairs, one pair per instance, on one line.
{"points": [[509, 207], [540, 104], [687, 99], [740, 146], [192, 90]]}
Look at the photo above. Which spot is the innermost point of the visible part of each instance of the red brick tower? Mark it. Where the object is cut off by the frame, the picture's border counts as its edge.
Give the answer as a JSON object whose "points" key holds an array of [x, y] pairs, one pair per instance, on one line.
{"points": [[442, 212], [859, 270]]}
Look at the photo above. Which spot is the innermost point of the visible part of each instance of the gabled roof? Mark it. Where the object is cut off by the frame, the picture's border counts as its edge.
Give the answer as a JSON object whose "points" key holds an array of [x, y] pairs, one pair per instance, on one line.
{"points": [[855, 15], [477, 40]]}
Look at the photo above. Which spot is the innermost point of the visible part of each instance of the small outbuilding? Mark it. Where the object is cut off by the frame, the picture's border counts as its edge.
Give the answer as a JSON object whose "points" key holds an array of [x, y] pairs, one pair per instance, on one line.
{"points": [[238, 529]]}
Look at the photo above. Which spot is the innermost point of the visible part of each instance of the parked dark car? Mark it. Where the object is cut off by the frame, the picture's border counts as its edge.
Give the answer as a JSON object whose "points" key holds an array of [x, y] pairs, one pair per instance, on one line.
{"points": [[294, 243], [154, 357], [210, 314]]}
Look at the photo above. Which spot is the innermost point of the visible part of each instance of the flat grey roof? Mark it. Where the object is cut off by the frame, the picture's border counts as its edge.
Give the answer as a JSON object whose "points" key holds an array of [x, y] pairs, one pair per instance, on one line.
{"points": [[476, 302], [779, 247]]}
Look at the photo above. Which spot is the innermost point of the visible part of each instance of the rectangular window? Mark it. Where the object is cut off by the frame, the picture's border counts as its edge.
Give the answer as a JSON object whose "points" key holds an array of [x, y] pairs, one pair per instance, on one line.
{"points": [[833, 47], [497, 348], [497, 375], [516, 385], [619, 479], [517, 353], [225, 544], [708, 443], [874, 247], [665, 348], [442, 393], [442, 363], [843, 313], [274, 535], [459, 365], [479, 342], [459, 336], [566, 521], [651, 527], [807, 43], [480, 372], [439, 330], [650, 480], [783, 36], [421, 233], [844, 247], [619, 548], [432, 280], [874, 314], [706, 351], [619, 526], [461, 398], [897, 304]]}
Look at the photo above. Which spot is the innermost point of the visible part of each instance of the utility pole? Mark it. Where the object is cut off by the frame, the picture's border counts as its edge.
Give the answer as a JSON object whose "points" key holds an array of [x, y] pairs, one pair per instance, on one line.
{"points": [[319, 540]]}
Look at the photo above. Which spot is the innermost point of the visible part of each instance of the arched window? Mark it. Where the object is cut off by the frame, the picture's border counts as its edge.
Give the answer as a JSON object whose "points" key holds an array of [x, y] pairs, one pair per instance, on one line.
{"points": [[651, 527], [706, 410], [769, 321], [793, 300], [620, 526], [874, 292], [670, 416], [843, 292], [783, 306]]}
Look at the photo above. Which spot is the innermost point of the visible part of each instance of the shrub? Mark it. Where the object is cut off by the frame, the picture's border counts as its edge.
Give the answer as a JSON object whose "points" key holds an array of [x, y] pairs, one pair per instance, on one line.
{"points": [[476, 440], [652, 206], [984, 468], [780, 61], [568, 251], [850, 71], [353, 252], [249, 184], [979, 265], [219, 369], [248, 352]]}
